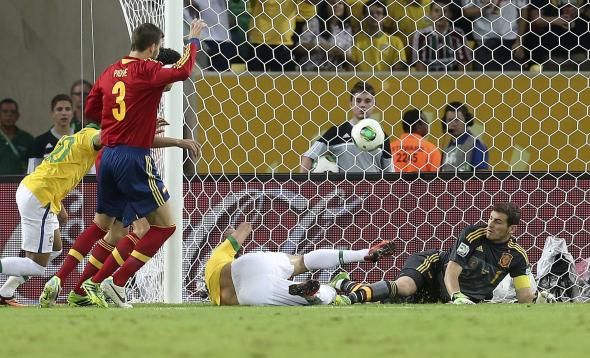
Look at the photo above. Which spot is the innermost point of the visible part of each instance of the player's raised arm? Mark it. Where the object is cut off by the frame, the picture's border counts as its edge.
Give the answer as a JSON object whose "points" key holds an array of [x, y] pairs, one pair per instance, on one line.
{"points": [[183, 68]]}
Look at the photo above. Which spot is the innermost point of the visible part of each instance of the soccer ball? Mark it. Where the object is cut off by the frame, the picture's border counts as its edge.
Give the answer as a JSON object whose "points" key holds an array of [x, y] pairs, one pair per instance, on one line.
{"points": [[368, 135]]}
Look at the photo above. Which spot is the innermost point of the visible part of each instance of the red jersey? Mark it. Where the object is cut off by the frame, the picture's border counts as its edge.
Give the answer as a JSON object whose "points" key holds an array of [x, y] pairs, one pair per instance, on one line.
{"points": [[127, 94]]}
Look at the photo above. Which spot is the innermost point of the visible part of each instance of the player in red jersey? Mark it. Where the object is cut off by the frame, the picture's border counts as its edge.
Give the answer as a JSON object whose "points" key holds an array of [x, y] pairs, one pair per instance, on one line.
{"points": [[126, 97]]}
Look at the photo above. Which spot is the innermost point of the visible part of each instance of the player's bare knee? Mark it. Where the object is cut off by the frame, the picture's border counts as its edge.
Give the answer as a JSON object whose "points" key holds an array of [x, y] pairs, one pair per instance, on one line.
{"points": [[141, 227], [103, 221]]}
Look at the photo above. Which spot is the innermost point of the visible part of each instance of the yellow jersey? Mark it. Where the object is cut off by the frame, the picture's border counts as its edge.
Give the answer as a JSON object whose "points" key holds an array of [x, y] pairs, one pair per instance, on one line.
{"points": [[408, 18], [377, 53], [222, 255], [63, 169], [306, 11], [273, 22]]}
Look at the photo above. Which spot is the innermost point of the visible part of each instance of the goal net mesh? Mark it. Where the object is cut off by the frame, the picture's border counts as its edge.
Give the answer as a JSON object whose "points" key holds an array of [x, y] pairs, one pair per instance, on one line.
{"points": [[531, 112]]}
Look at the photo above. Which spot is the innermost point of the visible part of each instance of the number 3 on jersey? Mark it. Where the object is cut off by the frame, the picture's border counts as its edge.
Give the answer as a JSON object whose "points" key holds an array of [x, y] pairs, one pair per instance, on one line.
{"points": [[120, 111]]}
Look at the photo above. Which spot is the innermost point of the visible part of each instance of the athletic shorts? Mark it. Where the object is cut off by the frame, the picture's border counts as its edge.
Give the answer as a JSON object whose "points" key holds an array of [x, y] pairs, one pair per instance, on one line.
{"points": [[129, 185], [426, 268], [38, 222], [262, 279]]}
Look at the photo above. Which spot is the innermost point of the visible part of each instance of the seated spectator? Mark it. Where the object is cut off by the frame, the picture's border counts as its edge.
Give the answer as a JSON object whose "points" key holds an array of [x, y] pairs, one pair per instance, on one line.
{"points": [[326, 43], [406, 17], [14, 142], [465, 152], [412, 153], [61, 114], [440, 47], [374, 50], [79, 92], [216, 40], [271, 34], [560, 34], [498, 28]]}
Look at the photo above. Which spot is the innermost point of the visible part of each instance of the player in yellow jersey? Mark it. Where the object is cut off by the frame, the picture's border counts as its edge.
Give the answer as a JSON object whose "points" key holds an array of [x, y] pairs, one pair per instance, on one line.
{"points": [[263, 278], [39, 198]]}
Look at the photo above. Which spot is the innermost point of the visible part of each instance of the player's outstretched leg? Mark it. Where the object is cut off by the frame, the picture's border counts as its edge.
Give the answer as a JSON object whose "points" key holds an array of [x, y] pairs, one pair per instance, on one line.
{"points": [[384, 248], [115, 293], [50, 292]]}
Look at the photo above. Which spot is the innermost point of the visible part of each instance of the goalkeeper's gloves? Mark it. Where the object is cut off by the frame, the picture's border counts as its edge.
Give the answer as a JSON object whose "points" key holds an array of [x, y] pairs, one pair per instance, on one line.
{"points": [[460, 299], [545, 297]]}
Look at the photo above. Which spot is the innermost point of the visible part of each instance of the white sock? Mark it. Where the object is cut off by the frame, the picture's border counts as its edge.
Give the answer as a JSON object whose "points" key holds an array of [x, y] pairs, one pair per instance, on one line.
{"points": [[20, 266], [53, 255], [11, 285], [326, 258]]}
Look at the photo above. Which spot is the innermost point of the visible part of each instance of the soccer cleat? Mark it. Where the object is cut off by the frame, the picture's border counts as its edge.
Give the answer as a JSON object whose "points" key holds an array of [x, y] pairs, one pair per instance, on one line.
{"points": [[94, 293], [384, 248], [50, 292], [336, 281], [75, 300], [342, 300], [305, 289], [115, 293], [10, 301]]}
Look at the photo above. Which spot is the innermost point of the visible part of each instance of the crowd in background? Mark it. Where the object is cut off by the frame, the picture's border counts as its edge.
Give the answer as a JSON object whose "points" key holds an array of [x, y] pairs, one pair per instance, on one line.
{"points": [[20, 152], [390, 35], [354, 35]]}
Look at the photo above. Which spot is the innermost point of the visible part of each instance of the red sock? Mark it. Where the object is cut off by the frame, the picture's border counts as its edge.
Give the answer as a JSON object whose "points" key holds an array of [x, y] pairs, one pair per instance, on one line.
{"points": [[117, 258], [100, 252], [144, 250], [80, 249]]}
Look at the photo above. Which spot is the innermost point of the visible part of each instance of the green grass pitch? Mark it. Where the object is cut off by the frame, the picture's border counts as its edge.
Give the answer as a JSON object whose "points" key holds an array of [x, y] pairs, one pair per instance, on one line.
{"points": [[499, 331]]}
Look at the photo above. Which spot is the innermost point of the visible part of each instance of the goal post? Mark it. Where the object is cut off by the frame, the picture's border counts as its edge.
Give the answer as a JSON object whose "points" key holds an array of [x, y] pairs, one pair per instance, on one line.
{"points": [[173, 163], [161, 279]]}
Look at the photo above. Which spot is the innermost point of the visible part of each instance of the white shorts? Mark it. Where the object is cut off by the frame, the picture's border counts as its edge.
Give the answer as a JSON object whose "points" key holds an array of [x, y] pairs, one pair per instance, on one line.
{"points": [[38, 223], [262, 279]]}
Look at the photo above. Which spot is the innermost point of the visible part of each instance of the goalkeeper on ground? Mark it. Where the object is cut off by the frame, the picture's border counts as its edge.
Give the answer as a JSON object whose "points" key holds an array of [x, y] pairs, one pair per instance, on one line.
{"points": [[482, 256], [263, 278]]}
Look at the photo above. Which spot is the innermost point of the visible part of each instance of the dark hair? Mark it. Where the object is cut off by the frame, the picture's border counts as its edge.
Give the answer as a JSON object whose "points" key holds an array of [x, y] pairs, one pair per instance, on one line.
{"points": [[327, 17], [60, 97], [371, 3], [457, 107], [9, 100], [360, 87], [511, 210], [144, 36], [168, 56], [80, 82], [410, 119]]}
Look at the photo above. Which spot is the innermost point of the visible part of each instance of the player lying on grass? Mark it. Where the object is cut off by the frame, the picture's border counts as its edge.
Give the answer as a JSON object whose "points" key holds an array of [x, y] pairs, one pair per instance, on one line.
{"points": [[482, 256], [263, 278], [109, 236]]}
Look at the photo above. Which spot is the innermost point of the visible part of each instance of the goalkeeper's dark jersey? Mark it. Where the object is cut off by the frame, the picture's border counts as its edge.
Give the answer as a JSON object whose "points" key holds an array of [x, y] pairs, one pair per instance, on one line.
{"points": [[485, 263]]}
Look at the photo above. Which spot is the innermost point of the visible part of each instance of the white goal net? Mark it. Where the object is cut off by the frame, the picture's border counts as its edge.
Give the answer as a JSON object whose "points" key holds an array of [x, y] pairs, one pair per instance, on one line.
{"points": [[517, 78]]}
